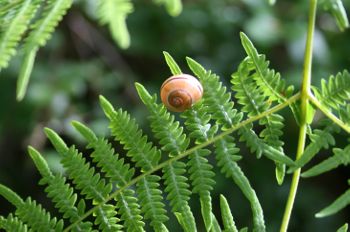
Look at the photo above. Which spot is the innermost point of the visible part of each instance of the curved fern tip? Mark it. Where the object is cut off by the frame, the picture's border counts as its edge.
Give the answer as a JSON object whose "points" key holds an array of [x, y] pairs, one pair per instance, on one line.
{"points": [[143, 93], [56, 140], [86, 132]]}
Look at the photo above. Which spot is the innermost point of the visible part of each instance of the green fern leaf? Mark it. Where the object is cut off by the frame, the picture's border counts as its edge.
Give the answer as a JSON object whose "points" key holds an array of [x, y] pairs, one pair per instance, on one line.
{"points": [[174, 67], [200, 130], [174, 7], [14, 24], [216, 98], [37, 218], [344, 228], [174, 142], [29, 212], [118, 172], [216, 226], [152, 202], [227, 218], [319, 139], [90, 183], [42, 29], [60, 192], [340, 157], [126, 131], [114, 13], [267, 81], [24, 74], [12, 223], [337, 9], [340, 203], [219, 104], [336, 92], [146, 156], [227, 159]]}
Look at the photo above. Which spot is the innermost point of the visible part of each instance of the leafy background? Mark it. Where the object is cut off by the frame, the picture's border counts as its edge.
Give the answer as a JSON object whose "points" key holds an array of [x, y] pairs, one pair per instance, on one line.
{"points": [[81, 61]]}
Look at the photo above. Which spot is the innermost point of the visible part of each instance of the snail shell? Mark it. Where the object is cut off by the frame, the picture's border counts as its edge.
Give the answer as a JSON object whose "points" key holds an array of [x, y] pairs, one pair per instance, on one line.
{"points": [[180, 92]]}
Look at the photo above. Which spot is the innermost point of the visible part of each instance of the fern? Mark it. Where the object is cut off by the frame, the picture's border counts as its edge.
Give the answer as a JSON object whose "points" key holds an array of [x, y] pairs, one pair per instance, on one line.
{"points": [[12, 223], [145, 156], [335, 92], [15, 22], [119, 173], [319, 139], [60, 192], [219, 104], [86, 180], [31, 213], [40, 33], [114, 14], [227, 219], [200, 130], [174, 141], [340, 157], [174, 7], [336, 8]]}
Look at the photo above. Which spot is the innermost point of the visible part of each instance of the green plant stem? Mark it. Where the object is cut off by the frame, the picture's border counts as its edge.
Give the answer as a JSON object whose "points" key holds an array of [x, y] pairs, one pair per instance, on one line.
{"points": [[304, 100], [279, 107]]}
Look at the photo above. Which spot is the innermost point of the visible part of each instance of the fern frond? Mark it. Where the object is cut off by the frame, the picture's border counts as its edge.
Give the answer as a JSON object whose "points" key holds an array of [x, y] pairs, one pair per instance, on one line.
{"points": [[31, 213], [226, 155], [152, 202], [267, 80], [340, 157], [259, 147], [319, 139], [171, 137], [216, 98], [120, 174], [86, 180], [37, 218], [340, 203], [200, 130], [337, 9], [220, 106], [43, 28], [127, 132], [114, 14], [335, 92], [60, 192], [146, 156], [344, 228], [12, 223], [174, 7], [227, 218], [13, 26]]}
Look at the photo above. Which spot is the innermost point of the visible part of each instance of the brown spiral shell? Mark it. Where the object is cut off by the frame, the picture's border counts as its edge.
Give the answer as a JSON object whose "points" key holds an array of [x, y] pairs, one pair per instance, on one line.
{"points": [[180, 92]]}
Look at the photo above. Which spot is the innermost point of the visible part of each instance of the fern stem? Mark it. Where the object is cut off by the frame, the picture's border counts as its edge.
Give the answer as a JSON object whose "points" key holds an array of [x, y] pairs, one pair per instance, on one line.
{"points": [[305, 92], [329, 114], [278, 107]]}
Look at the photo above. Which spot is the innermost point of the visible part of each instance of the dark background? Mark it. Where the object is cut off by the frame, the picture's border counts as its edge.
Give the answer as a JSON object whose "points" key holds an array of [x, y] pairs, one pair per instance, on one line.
{"points": [[81, 61]]}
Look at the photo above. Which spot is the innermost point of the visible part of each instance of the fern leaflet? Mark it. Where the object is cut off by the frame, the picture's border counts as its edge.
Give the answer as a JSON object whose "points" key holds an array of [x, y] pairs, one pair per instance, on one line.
{"points": [[174, 142], [13, 27], [60, 192], [85, 179], [12, 223], [114, 13], [118, 172], [145, 156], [340, 157], [219, 104]]}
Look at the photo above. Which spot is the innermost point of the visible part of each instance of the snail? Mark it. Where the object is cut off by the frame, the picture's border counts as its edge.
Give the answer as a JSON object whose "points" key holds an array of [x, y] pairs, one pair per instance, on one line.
{"points": [[180, 92]]}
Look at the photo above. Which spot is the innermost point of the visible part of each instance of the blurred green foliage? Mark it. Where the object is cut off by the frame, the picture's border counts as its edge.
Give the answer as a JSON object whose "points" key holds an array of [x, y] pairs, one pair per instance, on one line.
{"points": [[81, 62]]}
